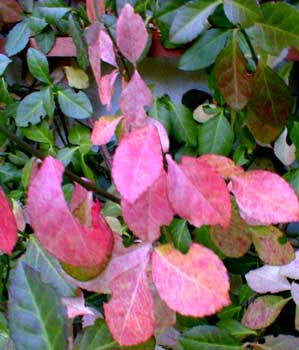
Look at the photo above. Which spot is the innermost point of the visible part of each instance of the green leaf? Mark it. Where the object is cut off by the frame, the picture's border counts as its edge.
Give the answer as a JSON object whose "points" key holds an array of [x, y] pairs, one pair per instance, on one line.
{"points": [[65, 155], [52, 10], [51, 272], [9, 173], [270, 105], [184, 128], [39, 133], [207, 338], [4, 94], [31, 109], [27, 5], [244, 12], [38, 65], [292, 177], [272, 31], [36, 23], [37, 318], [215, 136], [48, 101], [17, 38], [80, 135], [231, 76], [202, 235], [96, 337], [88, 173], [77, 34], [190, 20], [18, 158], [4, 62], [205, 50], [236, 329], [160, 111], [74, 105], [45, 40], [26, 173], [180, 235]]}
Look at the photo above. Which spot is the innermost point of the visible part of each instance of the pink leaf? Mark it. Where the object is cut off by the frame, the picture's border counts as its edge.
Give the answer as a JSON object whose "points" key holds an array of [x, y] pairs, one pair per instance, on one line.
{"points": [[262, 196], [122, 260], [195, 284], [55, 226], [134, 97], [131, 34], [106, 49], [291, 270], [130, 311], [162, 133], [223, 165], [8, 226], [106, 89], [197, 193], [137, 162], [295, 292], [150, 211], [75, 306], [104, 129], [267, 279], [94, 59]]}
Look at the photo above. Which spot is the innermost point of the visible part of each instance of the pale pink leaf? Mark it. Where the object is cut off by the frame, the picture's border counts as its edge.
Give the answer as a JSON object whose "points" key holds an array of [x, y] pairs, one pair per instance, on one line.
{"points": [[262, 196], [106, 88], [122, 259], [94, 59], [89, 320], [282, 342], [19, 215], [8, 226], [267, 279], [295, 292], [197, 193], [56, 227], [283, 151], [134, 97], [150, 211], [130, 311], [164, 139], [193, 284], [137, 162], [104, 129], [76, 307], [131, 34], [223, 165], [263, 311], [291, 270], [106, 49], [168, 338]]}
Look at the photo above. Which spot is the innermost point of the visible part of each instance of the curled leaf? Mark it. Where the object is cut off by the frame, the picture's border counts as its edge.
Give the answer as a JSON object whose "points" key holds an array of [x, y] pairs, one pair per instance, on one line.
{"points": [[106, 88], [291, 270]]}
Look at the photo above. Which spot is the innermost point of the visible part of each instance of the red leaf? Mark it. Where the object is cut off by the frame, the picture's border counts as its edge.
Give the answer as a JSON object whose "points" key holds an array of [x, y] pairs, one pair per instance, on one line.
{"points": [[134, 97], [262, 196], [150, 211], [122, 260], [130, 311], [137, 162], [104, 129], [106, 49], [8, 226], [131, 34], [10, 11], [55, 226], [106, 88], [223, 165], [195, 284], [197, 193]]}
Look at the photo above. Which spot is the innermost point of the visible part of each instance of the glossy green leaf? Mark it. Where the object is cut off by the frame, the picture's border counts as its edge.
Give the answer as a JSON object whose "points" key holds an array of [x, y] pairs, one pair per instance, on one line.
{"points": [[207, 338], [161, 111], [39, 133], [215, 136], [4, 62], [231, 76], [17, 38], [244, 12], [48, 101], [202, 235], [272, 31], [74, 105], [65, 155], [26, 172], [204, 51], [52, 10], [37, 318], [270, 105], [36, 23], [38, 65], [31, 109], [190, 20], [80, 135], [184, 128], [180, 235], [45, 40], [77, 34], [5, 96], [235, 328]]}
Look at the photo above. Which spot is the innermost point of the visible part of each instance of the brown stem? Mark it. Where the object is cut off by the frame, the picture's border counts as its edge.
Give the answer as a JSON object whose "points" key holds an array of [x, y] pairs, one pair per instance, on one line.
{"points": [[89, 186]]}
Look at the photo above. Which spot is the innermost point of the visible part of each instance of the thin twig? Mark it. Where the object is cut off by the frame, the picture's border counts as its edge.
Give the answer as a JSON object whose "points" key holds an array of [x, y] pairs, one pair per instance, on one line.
{"points": [[89, 186]]}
